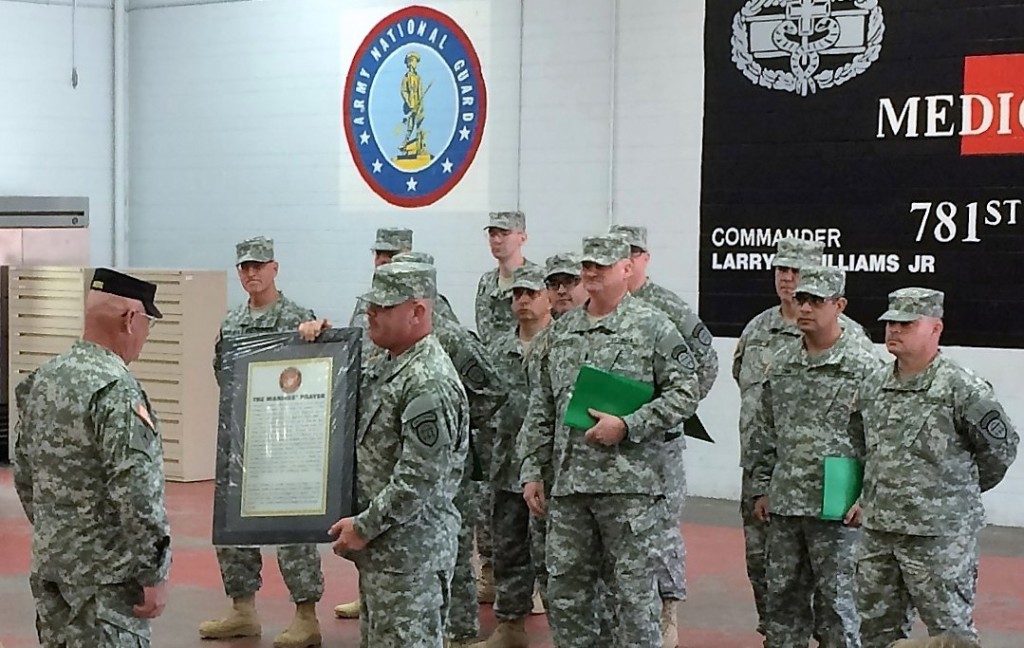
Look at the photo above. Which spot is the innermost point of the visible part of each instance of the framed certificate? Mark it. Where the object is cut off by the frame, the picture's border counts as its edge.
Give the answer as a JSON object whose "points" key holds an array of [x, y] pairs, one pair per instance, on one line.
{"points": [[286, 437]]}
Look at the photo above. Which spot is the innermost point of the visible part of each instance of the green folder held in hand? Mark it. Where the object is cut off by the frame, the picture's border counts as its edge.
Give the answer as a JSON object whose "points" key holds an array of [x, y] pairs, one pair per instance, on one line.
{"points": [[844, 477], [606, 392]]}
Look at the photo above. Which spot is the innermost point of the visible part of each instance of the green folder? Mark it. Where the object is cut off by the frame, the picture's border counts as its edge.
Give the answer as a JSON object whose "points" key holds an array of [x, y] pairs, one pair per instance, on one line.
{"points": [[606, 392], [615, 394], [844, 477]]}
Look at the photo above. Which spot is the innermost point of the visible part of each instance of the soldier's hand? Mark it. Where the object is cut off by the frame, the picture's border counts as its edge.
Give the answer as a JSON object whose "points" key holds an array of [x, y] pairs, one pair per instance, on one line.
{"points": [[533, 493], [761, 509], [309, 331], [154, 600], [348, 539], [609, 429], [852, 518]]}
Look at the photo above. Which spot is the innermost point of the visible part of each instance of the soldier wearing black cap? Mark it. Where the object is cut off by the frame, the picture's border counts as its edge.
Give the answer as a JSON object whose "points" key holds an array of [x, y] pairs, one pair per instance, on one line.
{"points": [[88, 468]]}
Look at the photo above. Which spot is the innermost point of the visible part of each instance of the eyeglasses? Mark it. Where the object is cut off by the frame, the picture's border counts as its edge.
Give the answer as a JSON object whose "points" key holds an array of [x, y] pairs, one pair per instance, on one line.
{"points": [[152, 319], [813, 300], [567, 281]]}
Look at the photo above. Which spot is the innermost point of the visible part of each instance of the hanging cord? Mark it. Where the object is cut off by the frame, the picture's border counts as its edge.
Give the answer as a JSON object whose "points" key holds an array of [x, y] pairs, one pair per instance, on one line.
{"points": [[74, 66]]}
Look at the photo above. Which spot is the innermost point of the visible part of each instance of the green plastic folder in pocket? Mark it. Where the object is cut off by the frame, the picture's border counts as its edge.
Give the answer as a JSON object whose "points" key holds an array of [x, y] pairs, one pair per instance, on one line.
{"points": [[844, 477], [606, 392]]}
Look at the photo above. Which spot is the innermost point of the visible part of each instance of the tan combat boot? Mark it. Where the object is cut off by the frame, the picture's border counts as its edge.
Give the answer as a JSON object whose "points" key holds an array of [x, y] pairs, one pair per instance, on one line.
{"points": [[304, 630], [485, 584], [669, 624], [242, 621], [348, 610], [508, 634]]}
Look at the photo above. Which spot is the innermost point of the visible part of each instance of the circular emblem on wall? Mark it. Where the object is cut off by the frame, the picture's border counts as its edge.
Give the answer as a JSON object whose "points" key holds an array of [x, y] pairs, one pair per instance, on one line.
{"points": [[291, 379], [414, 106]]}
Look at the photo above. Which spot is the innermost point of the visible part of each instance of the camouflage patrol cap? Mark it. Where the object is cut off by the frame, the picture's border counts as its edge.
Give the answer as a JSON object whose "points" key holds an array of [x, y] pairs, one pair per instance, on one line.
{"points": [[392, 239], [413, 257], [824, 281], [507, 220], [798, 253], [635, 235], [528, 276], [606, 249], [397, 283], [258, 248], [564, 263], [910, 304]]}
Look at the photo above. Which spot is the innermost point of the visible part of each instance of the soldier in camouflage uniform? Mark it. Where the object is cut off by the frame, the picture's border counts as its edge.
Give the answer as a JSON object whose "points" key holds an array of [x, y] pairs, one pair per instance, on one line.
{"points": [[506, 235], [412, 439], [88, 468], [936, 439], [757, 344], [607, 504], [803, 417], [517, 562], [562, 278], [267, 310], [671, 559]]}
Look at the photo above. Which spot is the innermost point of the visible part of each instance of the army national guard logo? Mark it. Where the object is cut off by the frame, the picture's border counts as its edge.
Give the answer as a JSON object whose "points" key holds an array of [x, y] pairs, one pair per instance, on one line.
{"points": [[414, 106], [803, 46]]}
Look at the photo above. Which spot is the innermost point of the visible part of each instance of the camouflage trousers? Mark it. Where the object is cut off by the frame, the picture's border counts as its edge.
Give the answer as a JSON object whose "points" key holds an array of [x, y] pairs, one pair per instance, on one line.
{"points": [[670, 558], [98, 616], [755, 538], [464, 611], [241, 567], [484, 498], [810, 560], [590, 536], [517, 557], [399, 610], [937, 575]]}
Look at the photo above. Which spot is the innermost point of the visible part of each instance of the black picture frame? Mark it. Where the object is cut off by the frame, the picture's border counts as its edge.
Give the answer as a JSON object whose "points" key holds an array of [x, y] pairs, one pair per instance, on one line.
{"points": [[238, 353]]}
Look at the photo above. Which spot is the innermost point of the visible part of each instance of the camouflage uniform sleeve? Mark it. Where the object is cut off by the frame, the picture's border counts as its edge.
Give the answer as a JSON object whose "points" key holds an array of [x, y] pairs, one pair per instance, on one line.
{"points": [[22, 470], [133, 460], [737, 354], [481, 308], [699, 337], [429, 429], [676, 392], [536, 439], [991, 435], [445, 310], [485, 388], [763, 443], [359, 318]]}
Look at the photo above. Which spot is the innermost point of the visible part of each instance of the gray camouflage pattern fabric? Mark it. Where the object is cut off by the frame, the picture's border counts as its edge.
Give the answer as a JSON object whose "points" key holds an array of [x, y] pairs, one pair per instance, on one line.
{"points": [[909, 304], [392, 239], [516, 561], [562, 263], [88, 469], [899, 574], [397, 283], [824, 281], [634, 235], [486, 392], [755, 350], [530, 277], [607, 503], [934, 443], [412, 439], [259, 249], [507, 220], [493, 307], [442, 306], [241, 567], [803, 417], [604, 249], [798, 253]]}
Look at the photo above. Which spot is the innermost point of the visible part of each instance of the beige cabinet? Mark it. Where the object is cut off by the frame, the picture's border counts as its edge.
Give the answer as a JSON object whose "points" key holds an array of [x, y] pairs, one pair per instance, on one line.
{"points": [[46, 312]]}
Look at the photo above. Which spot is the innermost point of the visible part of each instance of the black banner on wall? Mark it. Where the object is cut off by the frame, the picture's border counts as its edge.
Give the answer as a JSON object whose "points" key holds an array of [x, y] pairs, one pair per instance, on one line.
{"points": [[891, 130]]}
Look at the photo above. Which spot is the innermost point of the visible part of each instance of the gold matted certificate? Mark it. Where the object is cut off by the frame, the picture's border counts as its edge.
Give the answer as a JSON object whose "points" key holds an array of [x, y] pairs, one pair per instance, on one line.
{"points": [[287, 437]]}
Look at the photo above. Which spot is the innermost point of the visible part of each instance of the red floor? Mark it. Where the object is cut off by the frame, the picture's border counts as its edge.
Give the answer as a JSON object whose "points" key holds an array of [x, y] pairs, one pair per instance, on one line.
{"points": [[719, 613]]}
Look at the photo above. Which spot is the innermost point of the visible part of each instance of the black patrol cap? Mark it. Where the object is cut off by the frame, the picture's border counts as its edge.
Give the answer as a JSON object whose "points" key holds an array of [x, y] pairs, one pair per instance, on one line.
{"points": [[118, 283]]}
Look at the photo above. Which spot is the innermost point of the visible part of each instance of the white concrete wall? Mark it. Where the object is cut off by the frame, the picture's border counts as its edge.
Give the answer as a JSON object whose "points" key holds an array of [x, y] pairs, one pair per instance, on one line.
{"points": [[56, 140], [236, 130]]}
